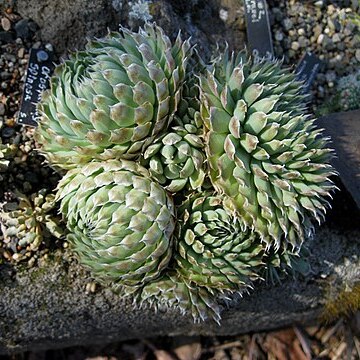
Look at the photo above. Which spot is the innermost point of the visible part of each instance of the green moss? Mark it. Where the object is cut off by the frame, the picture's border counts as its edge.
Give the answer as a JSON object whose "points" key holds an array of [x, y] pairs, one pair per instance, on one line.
{"points": [[341, 303]]}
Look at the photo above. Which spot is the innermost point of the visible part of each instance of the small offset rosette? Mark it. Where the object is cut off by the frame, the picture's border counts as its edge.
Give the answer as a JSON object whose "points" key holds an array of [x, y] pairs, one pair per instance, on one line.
{"points": [[177, 159]]}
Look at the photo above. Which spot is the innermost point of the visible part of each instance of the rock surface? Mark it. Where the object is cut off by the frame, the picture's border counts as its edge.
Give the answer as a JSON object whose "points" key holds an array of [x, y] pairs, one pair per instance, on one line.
{"points": [[344, 130], [68, 24]]}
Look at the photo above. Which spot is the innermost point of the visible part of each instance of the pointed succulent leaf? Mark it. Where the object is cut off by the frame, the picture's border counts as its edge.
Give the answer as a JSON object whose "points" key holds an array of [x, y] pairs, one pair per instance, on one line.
{"points": [[259, 140]]}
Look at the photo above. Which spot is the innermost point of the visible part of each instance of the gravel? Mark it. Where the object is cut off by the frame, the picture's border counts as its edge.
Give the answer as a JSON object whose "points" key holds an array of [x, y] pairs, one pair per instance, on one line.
{"points": [[321, 28], [25, 172]]}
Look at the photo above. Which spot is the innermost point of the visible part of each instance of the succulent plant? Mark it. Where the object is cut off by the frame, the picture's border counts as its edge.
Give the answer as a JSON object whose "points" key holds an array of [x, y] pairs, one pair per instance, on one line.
{"points": [[228, 147], [120, 221], [212, 248], [6, 151], [111, 100], [349, 92], [264, 152], [284, 262], [172, 291], [31, 221], [177, 158]]}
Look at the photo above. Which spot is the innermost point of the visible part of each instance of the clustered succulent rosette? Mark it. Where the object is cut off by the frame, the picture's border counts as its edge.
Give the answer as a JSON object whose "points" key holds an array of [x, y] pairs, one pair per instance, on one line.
{"points": [[264, 152], [213, 249], [31, 220], [183, 186], [6, 152], [121, 221], [112, 100]]}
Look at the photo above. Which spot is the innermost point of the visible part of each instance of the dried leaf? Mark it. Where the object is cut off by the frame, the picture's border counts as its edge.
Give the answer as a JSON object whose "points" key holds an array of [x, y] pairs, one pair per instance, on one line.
{"points": [[187, 348]]}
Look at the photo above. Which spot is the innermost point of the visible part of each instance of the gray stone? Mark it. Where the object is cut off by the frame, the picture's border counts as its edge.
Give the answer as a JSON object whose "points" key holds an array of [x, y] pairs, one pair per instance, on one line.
{"points": [[22, 29], [7, 132], [357, 55], [336, 38], [6, 37], [67, 24], [279, 36], [344, 129], [288, 24], [330, 76]]}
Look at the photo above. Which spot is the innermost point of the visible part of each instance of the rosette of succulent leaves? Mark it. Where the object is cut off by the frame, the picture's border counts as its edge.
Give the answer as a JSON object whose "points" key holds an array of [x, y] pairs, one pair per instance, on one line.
{"points": [[348, 92], [30, 221], [184, 186], [6, 152]]}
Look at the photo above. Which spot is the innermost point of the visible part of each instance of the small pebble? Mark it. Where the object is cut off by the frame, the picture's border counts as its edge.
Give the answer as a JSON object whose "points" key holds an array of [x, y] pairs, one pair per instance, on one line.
{"points": [[336, 38], [49, 47], [22, 29], [295, 45], [27, 186], [357, 55], [288, 24], [223, 15], [17, 256], [5, 23], [7, 132], [7, 255], [317, 30], [36, 45], [301, 31], [279, 36], [90, 287], [21, 53], [330, 76], [320, 39], [31, 262]]}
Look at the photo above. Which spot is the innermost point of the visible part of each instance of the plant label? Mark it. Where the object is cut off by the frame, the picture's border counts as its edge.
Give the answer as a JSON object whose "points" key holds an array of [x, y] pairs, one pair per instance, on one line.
{"points": [[307, 69], [258, 28], [38, 73]]}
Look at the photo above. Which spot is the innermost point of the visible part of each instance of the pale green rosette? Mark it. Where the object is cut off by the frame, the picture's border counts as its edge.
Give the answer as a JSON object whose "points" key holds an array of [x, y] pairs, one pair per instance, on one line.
{"points": [[121, 222], [264, 153], [213, 249], [113, 99]]}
